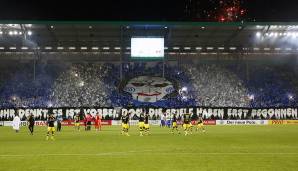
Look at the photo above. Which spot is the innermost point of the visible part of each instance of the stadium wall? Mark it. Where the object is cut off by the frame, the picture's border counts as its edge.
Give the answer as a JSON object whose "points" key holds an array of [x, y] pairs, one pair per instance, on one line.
{"points": [[116, 56]]}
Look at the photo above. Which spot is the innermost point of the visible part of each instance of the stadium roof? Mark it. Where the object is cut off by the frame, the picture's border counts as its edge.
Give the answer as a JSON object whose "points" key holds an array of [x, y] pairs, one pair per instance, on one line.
{"points": [[53, 36]]}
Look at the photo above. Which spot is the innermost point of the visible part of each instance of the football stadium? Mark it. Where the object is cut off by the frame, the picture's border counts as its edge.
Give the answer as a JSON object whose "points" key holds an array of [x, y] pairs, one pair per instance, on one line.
{"points": [[117, 95]]}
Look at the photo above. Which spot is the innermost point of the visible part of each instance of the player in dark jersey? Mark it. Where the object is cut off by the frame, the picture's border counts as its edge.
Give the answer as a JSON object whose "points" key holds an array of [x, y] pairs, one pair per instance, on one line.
{"points": [[141, 123], [124, 125], [51, 126], [146, 124], [186, 123], [31, 122], [77, 120], [191, 124], [59, 125], [200, 124], [174, 124]]}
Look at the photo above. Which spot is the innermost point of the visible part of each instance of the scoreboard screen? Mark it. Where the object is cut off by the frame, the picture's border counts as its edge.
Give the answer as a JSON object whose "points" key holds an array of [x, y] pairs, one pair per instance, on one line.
{"points": [[152, 48]]}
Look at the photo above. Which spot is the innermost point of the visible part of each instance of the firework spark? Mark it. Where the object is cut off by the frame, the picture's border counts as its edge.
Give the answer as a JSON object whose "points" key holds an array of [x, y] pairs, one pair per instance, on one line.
{"points": [[216, 10]]}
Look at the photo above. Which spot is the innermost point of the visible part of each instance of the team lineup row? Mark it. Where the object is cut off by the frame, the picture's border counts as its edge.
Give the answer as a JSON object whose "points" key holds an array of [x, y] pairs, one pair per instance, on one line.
{"points": [[144, 127]]}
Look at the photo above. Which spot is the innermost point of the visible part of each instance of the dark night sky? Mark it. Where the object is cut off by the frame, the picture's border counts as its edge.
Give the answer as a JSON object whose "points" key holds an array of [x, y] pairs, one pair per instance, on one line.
{"points": [[155, 10]]}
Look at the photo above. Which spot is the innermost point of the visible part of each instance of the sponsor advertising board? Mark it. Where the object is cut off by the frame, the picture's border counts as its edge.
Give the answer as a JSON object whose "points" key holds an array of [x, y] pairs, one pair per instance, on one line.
{"points": [[136, 122], [25, 123], [209, 122], [241, 122], [291, 122], [157, 122], [71, 123], [282, 122]]}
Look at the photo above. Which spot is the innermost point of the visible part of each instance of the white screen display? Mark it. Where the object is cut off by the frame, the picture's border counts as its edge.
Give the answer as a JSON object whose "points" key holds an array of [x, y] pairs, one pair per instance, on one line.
{"points": [[147, 47]]}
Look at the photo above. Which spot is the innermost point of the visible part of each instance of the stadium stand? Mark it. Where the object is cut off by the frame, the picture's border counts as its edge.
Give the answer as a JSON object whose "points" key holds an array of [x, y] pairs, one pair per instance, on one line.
{"points": [[99, 84]]}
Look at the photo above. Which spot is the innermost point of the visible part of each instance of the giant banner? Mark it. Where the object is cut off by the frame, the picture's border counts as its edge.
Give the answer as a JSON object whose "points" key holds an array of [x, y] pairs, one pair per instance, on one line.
{"points": [[206, 112]]}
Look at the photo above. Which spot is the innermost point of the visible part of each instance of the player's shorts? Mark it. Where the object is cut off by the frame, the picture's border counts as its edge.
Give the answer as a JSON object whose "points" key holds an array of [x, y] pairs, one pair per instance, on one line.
{"points": [[174, 124], [168, 123], [186, 126], [77, 123], [125, 126], [146, 126], [200, 125], [141, 125], [51, 129]]}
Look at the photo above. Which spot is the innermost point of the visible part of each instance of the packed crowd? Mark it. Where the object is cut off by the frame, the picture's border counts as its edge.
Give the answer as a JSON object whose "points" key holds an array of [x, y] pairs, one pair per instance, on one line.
{"points": [[272, 86], [217, 87], [99, 84], [82, 85]]}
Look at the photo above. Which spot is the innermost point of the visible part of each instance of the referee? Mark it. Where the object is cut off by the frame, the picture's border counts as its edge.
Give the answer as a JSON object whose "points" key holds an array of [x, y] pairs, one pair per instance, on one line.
{"points": [[59, 124]]}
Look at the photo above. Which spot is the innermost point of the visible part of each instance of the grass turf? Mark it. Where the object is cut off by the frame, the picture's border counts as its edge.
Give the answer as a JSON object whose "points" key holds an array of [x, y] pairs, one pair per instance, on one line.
{"points": [[221, 148]]}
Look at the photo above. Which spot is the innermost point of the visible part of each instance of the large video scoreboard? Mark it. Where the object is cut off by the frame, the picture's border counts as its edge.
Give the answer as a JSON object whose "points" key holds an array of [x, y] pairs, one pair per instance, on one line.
{"points": [[147, 48]]}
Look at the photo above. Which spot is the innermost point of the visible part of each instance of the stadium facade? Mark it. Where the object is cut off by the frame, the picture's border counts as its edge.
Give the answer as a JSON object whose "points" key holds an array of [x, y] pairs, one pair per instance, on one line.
{"points": [[86, 64]]}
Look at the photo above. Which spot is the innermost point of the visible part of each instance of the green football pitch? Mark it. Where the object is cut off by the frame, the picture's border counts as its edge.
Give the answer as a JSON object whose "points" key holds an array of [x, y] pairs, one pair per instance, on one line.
{"points": [[220, 148]]}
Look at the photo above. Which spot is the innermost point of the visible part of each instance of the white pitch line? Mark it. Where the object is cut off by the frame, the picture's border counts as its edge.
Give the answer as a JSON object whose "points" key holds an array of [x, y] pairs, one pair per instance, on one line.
{"points": [[129, 152], [71, 154], [74, 154], [197, 154]]}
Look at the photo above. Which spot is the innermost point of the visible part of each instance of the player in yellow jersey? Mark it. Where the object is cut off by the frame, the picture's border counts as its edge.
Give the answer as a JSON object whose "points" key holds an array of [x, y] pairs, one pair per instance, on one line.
{"points": [[200, 124], [174, 124], [125, 124], [186, 123], [141, 123], [51, 127], [77, 120]]}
